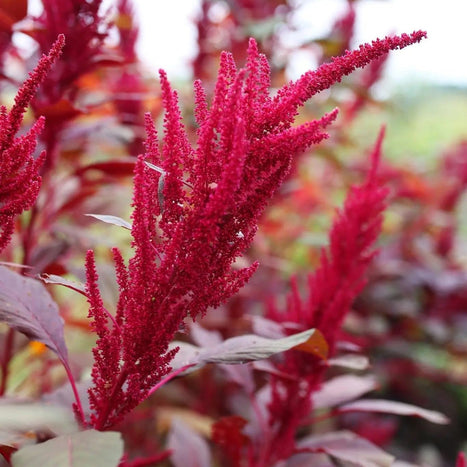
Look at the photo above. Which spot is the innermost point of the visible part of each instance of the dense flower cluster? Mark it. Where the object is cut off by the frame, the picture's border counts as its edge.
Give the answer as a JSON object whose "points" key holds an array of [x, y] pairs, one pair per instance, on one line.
{"points": [[19, 175], [196, 210], [332, 288]]}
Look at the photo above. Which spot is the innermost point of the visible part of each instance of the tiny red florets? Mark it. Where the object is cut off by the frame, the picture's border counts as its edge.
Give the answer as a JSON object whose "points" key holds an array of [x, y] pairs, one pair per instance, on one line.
{"points": [[332, 288], [196, 210], [19, 171]]}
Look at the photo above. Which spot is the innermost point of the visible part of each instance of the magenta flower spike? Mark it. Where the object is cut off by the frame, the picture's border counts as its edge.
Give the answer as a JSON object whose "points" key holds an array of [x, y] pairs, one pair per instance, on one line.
{"points": [[19, 171], [198, 212]]}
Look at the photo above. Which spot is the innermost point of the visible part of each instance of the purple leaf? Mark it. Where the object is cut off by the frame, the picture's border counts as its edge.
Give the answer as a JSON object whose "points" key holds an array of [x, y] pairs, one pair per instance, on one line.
{"points": [[251, 347], [307, 460], [188, 447], [348, 447], [268, 367], [237, 349], [396, 408], [118, 221], [27, 307], [342, 389], [348, 346], [242, 375]]}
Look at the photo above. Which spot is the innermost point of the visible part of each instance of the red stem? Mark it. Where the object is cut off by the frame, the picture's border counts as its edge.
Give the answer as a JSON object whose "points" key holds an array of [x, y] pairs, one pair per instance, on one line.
{"points": [[168, 378], [7, 354], [80, 411]]}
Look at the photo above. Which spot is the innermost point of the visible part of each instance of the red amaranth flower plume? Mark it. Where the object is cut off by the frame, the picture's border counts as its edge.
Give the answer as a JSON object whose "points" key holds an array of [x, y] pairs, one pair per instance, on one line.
{"points": [[19, 172], [340, 276], [332, 288], [284, 106], [195, 211]]}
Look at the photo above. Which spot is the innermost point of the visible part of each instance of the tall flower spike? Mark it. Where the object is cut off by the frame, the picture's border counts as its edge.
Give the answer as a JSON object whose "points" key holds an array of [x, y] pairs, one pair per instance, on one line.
{"points": [[28, 89], [340, 275], [284, 106], [19, 172], [332, 288], [186, 240]]}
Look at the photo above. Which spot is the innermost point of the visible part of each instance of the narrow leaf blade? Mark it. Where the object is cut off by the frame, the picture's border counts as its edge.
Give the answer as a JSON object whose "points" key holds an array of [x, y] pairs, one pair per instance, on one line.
{"points": [[114, 220], [235, 350], [251, 347], [58, 280], [343, 389], [396, 408]]}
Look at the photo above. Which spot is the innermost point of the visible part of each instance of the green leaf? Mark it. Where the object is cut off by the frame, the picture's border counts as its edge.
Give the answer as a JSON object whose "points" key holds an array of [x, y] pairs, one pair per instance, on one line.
{"points": [[83, 449]]}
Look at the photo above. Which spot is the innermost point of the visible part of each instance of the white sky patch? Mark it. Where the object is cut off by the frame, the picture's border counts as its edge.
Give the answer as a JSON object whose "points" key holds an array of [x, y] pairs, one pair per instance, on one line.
{"points": [[441, 57], [168, 35]]}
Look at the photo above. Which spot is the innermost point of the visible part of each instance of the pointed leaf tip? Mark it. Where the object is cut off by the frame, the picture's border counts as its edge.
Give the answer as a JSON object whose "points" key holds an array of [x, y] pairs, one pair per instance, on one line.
{"points": [[396, 408], [118, 221], [316, 344]]}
